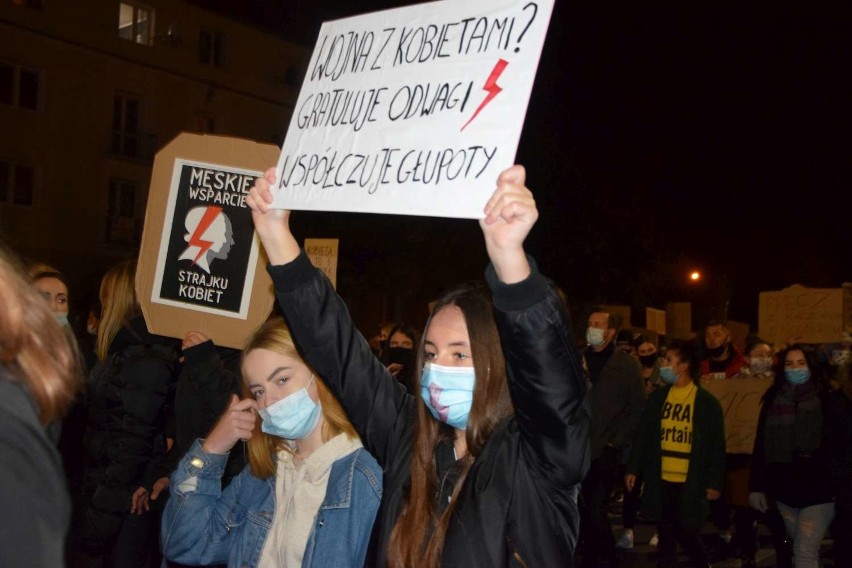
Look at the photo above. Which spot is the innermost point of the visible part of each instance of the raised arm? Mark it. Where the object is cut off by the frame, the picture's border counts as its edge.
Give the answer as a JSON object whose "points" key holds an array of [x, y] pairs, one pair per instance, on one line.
{"points": [[509, 216], [545, 378], [376, 403]]}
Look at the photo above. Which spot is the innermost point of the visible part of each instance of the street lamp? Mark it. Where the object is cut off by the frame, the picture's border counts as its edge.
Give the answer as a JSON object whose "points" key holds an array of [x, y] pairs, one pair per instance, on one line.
{"points": [[695, 276]]}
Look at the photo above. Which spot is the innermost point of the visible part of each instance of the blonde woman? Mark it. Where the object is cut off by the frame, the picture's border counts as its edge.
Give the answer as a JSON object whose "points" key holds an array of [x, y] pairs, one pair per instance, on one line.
{"points": [[38, 381], [129, 391], [310, 493]]}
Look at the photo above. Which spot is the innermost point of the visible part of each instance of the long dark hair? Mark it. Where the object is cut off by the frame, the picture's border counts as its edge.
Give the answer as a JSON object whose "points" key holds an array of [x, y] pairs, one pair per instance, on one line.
{"points": [[419, 534]]}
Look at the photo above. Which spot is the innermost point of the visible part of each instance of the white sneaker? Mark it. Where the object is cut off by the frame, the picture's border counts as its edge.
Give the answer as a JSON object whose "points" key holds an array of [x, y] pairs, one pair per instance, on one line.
{"points": [[655, 540], [625, 541]]}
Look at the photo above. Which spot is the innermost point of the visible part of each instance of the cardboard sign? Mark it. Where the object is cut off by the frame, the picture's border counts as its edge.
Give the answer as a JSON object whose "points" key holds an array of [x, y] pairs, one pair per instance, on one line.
{"points": [[414, 110], [201, 267], [739, 332], [621, 311], [740, 400], [812, 315], [655, 320], [679, 320], [323, 255]]}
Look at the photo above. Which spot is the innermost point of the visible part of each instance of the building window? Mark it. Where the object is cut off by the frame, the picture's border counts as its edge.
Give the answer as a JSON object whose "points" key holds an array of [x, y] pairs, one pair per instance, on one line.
{"points": [[20, 86], [136, 23], [121, 225], [125, 126], [212, 48], [17, 183]]}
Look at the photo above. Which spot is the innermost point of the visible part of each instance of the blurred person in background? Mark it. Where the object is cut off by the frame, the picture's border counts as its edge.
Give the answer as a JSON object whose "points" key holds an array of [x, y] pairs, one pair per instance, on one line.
{"points": [[130, 393], [39, 377], [399, 356], [680, 453]]}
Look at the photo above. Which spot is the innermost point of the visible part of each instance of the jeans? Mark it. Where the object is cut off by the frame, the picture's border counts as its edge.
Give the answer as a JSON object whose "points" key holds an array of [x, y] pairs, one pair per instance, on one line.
{"points": [[807, 527]]}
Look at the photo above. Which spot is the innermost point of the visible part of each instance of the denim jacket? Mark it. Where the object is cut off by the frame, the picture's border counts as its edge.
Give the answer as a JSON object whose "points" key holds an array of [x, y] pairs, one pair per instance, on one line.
{"points": [[204, 525]]}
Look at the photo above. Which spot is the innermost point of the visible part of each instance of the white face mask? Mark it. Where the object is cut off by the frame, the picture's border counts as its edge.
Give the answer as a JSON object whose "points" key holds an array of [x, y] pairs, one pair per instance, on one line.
{"points": [[760, 365], [595, 337]]}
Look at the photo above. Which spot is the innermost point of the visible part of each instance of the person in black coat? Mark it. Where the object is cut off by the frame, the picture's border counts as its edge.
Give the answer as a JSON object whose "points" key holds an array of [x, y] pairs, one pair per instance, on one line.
{"points": [[208, 377], [839, 423], [680, 454], [130, 394], [793, 449], [484, 468]]}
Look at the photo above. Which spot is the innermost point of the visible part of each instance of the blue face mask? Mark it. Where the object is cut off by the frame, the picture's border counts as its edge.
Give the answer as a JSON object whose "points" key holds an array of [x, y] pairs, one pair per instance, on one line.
{"points": [[61, 319], [293, 417], [797, 376], [448, 393], [668, 375]]}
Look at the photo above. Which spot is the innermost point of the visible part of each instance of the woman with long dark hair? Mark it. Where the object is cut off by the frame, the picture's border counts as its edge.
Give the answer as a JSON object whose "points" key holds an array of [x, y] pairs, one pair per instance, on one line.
{"points": [[483, 468], [791, 464]]}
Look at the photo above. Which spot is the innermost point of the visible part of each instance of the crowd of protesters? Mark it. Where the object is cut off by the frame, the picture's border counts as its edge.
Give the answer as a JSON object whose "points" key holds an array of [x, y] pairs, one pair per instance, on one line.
{"points": [[492, 437]]}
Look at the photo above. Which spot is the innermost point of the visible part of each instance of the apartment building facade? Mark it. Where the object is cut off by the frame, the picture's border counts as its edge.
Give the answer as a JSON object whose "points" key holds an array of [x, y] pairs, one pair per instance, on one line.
{"points": [[90, 91]]}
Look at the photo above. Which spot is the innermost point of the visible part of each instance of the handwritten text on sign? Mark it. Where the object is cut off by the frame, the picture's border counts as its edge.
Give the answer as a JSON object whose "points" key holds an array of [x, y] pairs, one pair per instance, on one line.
{"points": [[414, 110], [812, 315], [323, 255]]}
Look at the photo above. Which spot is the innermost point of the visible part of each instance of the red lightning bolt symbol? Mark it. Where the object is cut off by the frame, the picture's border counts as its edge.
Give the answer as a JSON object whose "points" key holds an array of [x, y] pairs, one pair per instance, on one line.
{"points": [[196, 241], [491, 86]]}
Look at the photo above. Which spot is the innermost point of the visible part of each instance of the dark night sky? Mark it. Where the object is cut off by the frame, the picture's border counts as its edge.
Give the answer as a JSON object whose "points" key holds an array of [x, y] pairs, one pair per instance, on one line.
{"points": [[657, 140]]}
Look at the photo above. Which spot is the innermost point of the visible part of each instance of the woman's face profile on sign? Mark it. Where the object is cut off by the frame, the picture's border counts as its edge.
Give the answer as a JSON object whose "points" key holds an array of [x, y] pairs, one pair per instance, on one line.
{"points": [[210, 235]]}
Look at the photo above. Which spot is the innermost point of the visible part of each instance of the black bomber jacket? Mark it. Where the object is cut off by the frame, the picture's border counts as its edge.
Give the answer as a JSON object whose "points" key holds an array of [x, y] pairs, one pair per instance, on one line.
{"points": [[519, 501]]}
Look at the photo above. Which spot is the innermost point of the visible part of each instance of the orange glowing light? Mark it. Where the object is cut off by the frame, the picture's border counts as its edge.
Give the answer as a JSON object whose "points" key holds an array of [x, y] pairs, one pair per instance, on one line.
{"points": [[695, 276]]}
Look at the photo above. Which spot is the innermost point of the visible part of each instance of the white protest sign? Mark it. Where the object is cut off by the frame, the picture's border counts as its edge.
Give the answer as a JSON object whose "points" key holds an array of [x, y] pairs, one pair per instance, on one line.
{"points": [[414, 110]]}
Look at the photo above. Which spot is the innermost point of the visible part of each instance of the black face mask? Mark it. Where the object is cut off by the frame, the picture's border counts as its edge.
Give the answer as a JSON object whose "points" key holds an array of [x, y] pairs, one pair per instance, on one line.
{"points": [[648, 360], [716, 352], [401, 355]]}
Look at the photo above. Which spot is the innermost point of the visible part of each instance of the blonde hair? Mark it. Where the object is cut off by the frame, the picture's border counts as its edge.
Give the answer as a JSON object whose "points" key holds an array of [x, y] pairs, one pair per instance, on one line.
{"points": [[118, 298], [262, 447], [37, 270], [32, 345]]}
